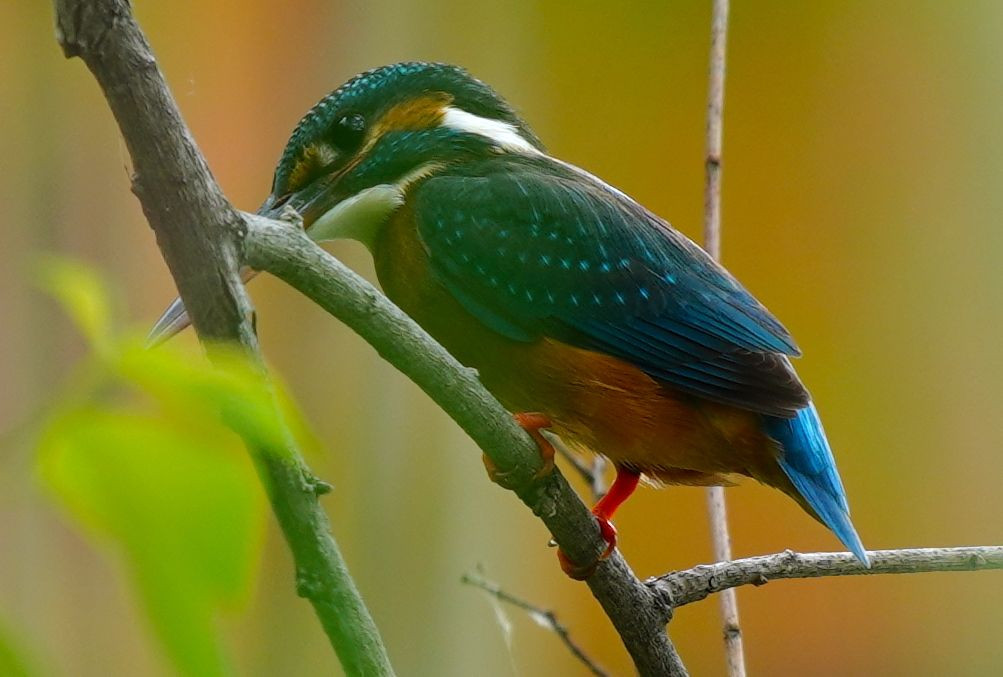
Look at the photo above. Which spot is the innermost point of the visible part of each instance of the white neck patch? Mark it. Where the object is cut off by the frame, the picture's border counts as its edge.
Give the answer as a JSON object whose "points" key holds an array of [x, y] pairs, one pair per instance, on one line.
{"points": [[503, 134], [359, 217]]}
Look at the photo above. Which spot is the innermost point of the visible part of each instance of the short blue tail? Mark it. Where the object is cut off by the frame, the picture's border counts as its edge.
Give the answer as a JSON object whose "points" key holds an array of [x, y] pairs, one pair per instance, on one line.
{"points": [[807, 460]]}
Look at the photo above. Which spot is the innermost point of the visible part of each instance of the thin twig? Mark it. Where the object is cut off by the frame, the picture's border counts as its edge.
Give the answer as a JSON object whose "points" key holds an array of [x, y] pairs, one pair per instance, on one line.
{"points": [[543, 617], [731, 630], [715, 124], [597, 480], [692, 585], [593, 473], [716, 507]]}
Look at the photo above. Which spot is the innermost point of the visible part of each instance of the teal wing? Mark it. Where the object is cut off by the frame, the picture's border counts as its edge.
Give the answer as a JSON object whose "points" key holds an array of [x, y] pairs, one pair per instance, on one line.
{"points": [[533, 248]]}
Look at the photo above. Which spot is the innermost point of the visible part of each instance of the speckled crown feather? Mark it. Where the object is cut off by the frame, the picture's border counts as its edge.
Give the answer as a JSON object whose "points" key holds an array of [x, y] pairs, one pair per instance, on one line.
{"points": [[375, 90]]}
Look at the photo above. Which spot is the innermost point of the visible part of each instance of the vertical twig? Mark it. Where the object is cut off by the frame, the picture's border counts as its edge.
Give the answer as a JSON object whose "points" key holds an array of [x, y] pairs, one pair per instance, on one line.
{"points": [[715, 109], [734, 652]]}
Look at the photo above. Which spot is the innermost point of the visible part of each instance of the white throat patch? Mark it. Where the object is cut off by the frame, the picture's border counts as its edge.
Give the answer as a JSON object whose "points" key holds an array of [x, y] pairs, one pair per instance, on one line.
{"points": [[503, 134], [359, 217]]}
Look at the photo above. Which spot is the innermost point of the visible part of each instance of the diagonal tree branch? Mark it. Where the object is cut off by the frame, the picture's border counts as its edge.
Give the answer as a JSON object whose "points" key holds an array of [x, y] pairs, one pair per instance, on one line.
{"points": [[199, 234], [679, 588], [638, 615]]}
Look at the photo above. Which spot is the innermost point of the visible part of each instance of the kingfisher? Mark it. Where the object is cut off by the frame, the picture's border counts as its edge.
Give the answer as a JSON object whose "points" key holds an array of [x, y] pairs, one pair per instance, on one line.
{"points": [[581, 310]]}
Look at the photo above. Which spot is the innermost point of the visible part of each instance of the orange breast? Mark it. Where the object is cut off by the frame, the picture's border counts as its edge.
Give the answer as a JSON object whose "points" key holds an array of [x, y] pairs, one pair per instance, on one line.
{"points": [[597, 402]]}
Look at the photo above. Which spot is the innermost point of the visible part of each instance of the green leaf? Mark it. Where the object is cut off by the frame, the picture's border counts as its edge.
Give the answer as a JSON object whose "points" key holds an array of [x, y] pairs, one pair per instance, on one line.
{"points": [[186, 511], [14, 660], [84, 295], [139, 454], [232, 387]]}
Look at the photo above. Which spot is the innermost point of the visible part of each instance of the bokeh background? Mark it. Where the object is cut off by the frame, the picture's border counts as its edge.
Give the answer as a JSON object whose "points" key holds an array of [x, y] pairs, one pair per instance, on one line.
{"points": [[862, 204]]}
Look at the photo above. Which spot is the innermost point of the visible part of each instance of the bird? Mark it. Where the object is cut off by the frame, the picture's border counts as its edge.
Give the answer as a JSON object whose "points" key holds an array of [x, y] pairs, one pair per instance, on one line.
{"points": [[581, 310]]}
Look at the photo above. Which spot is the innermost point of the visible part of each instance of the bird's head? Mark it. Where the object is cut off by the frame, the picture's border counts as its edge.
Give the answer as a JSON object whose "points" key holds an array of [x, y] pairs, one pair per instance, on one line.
{"points": [[385, 129], [351, 159]]}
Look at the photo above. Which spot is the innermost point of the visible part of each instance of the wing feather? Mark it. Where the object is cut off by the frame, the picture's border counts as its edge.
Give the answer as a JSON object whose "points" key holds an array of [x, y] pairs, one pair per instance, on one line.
{"points": [[534, 247]]}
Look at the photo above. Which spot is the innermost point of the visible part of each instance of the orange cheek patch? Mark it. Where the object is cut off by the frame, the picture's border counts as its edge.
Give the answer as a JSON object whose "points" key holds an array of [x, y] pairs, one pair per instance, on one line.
{"points": [[424, 112], [313, 158]]}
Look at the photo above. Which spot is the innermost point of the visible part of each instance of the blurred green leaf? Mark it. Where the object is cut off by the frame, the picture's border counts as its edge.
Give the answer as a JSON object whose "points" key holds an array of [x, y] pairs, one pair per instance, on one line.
{"points": [[139, 454], [14, 660], [84, 295], [232, 386], [187, 514]]}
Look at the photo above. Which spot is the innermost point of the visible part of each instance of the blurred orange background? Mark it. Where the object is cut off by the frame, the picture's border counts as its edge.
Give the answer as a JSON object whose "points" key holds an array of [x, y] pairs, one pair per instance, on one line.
{"points": [[863, 161]]}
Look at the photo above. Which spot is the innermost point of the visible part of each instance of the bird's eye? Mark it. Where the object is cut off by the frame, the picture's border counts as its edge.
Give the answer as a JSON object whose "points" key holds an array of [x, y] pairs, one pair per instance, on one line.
{"points": [[348, 132]]}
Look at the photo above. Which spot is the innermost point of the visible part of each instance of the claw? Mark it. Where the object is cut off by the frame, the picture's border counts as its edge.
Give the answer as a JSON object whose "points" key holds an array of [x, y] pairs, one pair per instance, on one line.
{"points": [[608, 533], [623, 486], [574, 571], [494, 474], [579, 572], [533, 422]]}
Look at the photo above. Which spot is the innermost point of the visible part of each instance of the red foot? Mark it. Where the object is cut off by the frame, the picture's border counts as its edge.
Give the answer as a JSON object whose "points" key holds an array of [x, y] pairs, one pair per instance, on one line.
{"points": [[532, 423], [623, 486]]}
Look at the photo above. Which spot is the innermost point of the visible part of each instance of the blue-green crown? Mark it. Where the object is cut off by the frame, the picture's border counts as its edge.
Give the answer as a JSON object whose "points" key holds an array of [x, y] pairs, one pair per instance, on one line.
{"points": [[374, 91]]}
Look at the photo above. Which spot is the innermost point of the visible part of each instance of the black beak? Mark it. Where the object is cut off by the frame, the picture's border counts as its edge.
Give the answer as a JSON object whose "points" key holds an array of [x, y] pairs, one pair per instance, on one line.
{"points": [[175, 319], [311, 202]]}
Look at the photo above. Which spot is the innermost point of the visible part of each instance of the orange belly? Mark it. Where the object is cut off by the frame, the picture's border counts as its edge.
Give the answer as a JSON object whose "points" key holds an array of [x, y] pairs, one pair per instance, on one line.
{"points": [[597, 402], [603, 404]]}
